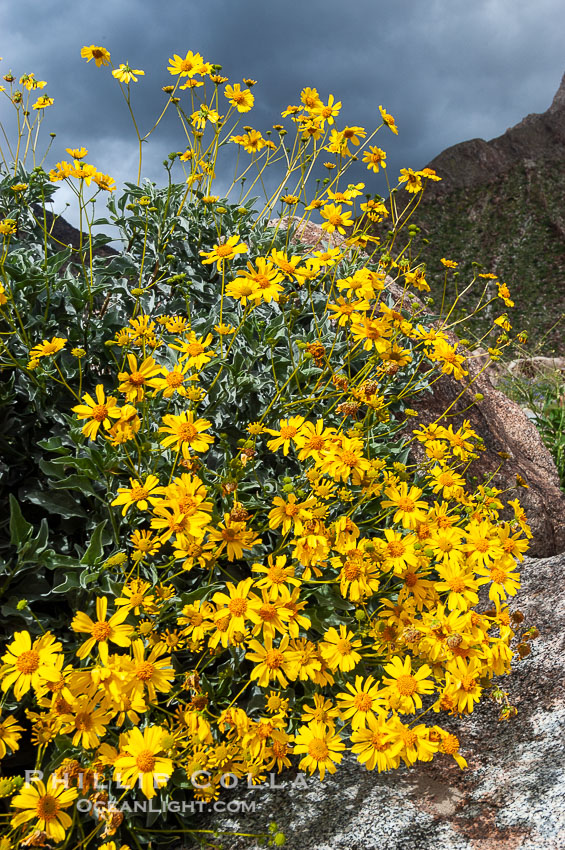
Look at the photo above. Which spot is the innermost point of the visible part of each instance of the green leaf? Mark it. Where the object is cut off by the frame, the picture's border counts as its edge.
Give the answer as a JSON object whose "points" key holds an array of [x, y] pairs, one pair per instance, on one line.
{"points": [[20, 528], [95, 547]]}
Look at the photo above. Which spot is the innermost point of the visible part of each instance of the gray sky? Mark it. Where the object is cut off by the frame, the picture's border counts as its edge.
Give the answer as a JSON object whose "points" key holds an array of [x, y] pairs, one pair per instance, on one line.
{"points": [[448, 70]]}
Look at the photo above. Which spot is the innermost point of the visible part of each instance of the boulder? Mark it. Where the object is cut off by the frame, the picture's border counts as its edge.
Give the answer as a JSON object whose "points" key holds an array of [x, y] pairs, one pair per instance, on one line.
{"points": [[513, 446], [510, 797]]}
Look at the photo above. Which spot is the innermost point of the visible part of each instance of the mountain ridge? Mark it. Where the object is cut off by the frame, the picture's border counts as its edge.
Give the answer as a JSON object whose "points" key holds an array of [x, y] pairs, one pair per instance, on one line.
{"points": [[500, 203]]}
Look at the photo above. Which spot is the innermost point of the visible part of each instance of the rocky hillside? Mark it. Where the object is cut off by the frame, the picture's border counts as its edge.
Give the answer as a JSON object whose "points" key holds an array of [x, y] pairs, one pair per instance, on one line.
{"points": [[501, 203]]}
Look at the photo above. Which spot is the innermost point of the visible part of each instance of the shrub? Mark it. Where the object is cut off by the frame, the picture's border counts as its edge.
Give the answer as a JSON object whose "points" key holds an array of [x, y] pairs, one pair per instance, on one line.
{"points": [[223, 560]]}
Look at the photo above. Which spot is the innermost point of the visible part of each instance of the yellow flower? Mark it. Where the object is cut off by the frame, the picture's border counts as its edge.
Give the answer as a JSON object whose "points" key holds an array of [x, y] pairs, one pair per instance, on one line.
{"points": [[138, 493], [152, 673], [327, 112], [47, 349], [277, 576], [101, 631], [361, 703], [271, 662], [403, 686], [388, 120], [86, 722], [410, 510], [186, 433], [125, 74], [374, 158], [140, 761], [335, 219], [322, 748], [289, 432], [412, 179], [377, 745], [45, 803], [187, 67], [339, 649], [9, 735], [26, 665], [242, 100], [99, 412], [99, 54], [134, 381], [232, 536], [225, 251], [76, 153], [42, 102]]}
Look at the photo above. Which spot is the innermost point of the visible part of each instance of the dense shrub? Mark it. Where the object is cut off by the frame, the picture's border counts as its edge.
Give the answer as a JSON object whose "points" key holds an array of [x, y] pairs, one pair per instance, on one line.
{"points": [[222, 559]]}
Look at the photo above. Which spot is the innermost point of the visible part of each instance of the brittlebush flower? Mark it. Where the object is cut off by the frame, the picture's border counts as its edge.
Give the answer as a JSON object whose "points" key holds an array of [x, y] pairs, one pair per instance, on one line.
{"points": [[9, 735], [47, 348], [189, 66], [339, 649], [186, 433], [138, 493], [99, 54], [322, 748], [403, 686], [242, 100], [102, 631], [140, 761], [26, 665], [99, 412], [125, 74], [45, 803], [225, 251]]}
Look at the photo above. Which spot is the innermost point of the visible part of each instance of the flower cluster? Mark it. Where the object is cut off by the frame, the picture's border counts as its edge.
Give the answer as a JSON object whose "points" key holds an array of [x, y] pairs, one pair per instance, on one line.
{"points": [[295, 561]]}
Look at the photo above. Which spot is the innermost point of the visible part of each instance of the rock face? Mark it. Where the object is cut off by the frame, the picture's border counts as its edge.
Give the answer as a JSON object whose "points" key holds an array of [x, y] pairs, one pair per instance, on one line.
{"points": [[513, 447], [504, 427], [509, 798], [499, 203]]}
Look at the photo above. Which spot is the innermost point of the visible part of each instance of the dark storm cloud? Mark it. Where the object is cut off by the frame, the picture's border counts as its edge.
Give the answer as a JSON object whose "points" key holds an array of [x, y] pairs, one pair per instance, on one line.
{"points": [[449, 70]]}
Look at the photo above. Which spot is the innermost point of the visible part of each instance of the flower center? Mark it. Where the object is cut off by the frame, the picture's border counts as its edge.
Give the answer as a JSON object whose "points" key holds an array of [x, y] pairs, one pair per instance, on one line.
{"points": [[351, 570], [28, 661], [274, 659], [406, 505], [343, 646], [145, 761], [410, 579], [288, 431], [223, 250], [457, 584], [238, 606], [137, 379], [83, 722], [138, 493], [450, 745], [99, 412], [379, 743], [318, 749], [406, 685], [497, 575], [101, 630], [47, 807], [187, 432], [468, 683], [277, 575], [396, 548], [363, 702], [267, 612], [136, 599], [196, 348], [349, 458], [174, 379], [144, 671]]}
